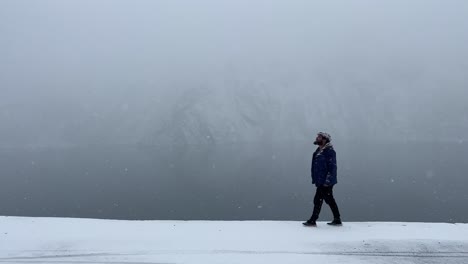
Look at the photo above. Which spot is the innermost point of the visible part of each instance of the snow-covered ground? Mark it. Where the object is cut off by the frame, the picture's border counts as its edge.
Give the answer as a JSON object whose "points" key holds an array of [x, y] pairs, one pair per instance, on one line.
{"points": [[69, 240]]}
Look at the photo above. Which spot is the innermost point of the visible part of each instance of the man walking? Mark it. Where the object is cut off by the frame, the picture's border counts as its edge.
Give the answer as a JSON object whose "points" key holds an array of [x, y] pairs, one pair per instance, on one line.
{"points": [[324, 177]]}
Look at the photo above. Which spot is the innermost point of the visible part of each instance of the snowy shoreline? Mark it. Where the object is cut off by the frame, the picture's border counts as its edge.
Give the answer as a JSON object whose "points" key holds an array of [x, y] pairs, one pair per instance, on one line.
{"points": [[70, 240]]}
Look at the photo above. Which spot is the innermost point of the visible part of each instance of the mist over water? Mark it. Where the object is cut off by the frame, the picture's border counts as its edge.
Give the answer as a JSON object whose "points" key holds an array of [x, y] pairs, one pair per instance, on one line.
{"points": [[377, 182], [208, 109]]}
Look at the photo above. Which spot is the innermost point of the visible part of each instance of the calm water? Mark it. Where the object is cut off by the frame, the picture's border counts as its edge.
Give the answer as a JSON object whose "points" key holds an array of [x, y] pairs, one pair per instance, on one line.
{"points": [[377, 182]]}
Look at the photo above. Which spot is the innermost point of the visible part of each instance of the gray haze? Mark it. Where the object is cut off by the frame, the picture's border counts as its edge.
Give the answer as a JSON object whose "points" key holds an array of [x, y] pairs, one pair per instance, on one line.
{"points": [[208, 109]]}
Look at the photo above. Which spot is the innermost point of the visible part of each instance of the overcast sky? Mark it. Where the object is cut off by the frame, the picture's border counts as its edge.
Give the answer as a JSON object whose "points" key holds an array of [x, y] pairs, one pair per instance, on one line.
{"points": [[74, 72]]}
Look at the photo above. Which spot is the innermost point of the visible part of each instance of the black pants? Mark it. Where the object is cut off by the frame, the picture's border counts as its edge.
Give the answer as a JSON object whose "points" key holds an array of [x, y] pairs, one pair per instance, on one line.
{"points": [[324, 193]]}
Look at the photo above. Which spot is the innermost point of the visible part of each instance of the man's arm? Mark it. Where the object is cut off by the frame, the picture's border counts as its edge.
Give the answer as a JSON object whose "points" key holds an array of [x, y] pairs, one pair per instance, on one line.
{"points": [[312, 169], [331, 166]]}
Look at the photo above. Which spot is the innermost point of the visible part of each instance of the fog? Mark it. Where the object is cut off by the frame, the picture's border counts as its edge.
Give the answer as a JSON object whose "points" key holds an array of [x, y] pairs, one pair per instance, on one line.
{"points": [[208, 109]]}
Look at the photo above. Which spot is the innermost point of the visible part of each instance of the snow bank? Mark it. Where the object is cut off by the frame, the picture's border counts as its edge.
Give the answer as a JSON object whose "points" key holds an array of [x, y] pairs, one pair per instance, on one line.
{"points": [[69, 240]]}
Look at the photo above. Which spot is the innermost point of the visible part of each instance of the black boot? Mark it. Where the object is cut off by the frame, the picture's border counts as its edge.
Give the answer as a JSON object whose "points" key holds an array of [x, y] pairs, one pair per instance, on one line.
{"points": [[335, 222], [310, 223]]}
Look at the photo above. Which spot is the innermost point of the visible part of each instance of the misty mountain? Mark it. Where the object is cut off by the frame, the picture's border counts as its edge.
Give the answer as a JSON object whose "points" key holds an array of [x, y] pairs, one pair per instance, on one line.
{"points": [[229, 111], [117, 72]]}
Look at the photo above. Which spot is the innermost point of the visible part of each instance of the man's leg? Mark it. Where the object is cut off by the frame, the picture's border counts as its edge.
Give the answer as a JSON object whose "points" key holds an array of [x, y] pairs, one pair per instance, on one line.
{"points": [[318, 201], [330, 200]]}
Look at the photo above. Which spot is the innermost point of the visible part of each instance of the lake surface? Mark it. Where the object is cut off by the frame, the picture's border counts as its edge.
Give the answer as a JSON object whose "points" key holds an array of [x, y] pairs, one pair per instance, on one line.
{"points": [[378, 181]]}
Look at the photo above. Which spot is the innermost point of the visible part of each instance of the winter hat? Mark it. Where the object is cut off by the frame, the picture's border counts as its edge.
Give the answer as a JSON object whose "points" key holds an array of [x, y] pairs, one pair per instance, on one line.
{"points": [[325, 135]]}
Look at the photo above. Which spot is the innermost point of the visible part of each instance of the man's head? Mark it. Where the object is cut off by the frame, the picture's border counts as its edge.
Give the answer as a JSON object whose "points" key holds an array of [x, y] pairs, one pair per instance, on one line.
{"points": [[322, 139]]}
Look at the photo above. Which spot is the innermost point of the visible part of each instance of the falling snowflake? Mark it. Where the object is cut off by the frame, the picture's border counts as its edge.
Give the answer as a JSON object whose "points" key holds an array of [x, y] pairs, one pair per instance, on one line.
{"points": [[429, 174]]}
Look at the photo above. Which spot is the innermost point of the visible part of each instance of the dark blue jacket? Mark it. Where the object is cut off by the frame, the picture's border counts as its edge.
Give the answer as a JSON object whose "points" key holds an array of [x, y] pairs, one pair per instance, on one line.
{"points": [[324, 166]]}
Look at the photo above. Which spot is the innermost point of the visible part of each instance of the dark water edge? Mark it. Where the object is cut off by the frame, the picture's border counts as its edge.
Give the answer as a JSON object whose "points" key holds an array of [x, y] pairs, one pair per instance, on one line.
{"points": [[378, 181]]}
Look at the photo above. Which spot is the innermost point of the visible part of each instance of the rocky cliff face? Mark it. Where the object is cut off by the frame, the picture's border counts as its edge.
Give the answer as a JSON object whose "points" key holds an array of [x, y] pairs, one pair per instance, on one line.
{"points": [[226, 109]]}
